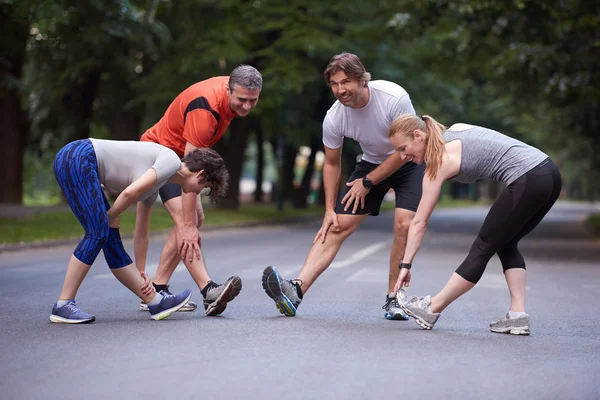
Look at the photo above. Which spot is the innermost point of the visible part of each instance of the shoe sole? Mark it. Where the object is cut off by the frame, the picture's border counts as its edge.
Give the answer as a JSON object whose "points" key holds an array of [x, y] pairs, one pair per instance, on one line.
{"points": [[60, 320], [164, 314], [420, 321], [186, 308], [233, 287], [270, 282], [522, 330], [396, 317]]}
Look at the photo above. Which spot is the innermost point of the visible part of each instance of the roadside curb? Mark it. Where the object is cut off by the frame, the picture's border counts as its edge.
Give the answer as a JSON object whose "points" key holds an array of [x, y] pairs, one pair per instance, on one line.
{"points": [[5, 248]]}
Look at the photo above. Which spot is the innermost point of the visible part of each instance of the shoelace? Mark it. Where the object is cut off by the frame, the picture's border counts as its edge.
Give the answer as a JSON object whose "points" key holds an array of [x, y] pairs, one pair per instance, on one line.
{"points": [[72, 306], [391, 301], [291, 285]]}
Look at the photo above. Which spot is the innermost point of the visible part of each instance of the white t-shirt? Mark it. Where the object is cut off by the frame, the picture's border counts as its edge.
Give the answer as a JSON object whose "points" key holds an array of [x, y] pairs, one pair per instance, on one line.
{"points": [[368, 125], [120, 163]]}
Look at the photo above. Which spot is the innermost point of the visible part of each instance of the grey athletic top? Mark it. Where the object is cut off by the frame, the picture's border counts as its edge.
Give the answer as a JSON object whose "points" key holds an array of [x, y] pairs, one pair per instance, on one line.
{"points": [[120, 163], [487, 154]]}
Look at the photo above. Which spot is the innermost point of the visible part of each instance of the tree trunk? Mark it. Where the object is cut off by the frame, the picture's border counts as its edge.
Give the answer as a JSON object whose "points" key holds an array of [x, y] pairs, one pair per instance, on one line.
{"points": [[232, 148], [125, 125], [289, 163], [14, 120], [260, 164], [79, 104]]}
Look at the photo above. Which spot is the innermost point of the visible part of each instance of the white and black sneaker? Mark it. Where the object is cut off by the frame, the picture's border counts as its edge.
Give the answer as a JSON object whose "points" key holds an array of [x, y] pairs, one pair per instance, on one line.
{"points": [[217, 296], [392, 309], [286, 293]]}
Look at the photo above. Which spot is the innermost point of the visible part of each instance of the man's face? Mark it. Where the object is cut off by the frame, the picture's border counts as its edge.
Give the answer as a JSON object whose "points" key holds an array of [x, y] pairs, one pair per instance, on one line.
{"points": [[350, 92], [242, 99]]}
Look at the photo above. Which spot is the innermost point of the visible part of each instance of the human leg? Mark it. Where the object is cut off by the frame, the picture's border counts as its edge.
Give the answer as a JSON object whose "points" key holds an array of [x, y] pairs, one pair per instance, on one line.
{"points": [[76, 171], [520, 207], [288, 294], [407, 183]]}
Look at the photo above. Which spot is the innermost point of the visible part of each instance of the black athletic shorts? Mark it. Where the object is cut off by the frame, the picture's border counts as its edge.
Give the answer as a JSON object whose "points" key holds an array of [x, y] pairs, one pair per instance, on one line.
{"points": [[407, 182], [169, 191]]}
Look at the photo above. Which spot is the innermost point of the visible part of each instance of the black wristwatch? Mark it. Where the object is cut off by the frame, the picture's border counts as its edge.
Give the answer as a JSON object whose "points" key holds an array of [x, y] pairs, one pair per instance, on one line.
{"points": [[367, 183], [405, 265]]}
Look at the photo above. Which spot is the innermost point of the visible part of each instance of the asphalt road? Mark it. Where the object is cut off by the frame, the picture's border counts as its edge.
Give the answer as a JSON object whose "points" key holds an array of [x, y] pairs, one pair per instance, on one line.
{"points": [[338, 347]]}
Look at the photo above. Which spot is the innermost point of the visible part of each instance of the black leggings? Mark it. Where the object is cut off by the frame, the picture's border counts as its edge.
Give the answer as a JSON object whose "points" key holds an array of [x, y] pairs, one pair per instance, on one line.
{"points": [[518, 210]]}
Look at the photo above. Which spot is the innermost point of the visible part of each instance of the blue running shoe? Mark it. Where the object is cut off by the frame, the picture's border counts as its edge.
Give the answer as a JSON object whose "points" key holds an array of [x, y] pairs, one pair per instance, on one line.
{"points": [[169, 304], [70, 314], [283, 291], [392, 309]]}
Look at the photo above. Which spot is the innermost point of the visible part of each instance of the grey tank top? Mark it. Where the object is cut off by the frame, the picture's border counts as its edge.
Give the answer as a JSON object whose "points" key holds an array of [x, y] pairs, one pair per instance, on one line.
{"points": [[487, 154]]}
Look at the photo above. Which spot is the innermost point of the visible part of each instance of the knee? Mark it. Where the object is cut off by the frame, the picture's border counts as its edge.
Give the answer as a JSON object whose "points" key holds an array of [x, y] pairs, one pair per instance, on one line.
{"points": [[345, 229], [401, 227]]}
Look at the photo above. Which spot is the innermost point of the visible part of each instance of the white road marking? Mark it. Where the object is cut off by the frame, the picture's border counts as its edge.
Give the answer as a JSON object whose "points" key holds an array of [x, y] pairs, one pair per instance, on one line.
{"points": [[370, 275], [359, 255]]}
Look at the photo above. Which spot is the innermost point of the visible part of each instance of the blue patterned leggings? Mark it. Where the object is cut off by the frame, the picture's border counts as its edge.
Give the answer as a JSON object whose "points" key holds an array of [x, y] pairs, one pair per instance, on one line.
{"points": [[76, 171]]}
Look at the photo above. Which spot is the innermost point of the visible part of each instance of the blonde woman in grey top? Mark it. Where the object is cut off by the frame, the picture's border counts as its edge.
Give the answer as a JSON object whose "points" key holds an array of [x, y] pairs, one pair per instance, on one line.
{"points": [[466, 153]]}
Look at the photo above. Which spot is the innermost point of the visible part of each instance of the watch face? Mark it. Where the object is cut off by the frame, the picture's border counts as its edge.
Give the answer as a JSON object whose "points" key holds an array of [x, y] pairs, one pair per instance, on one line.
{"points": [[367, 183]]}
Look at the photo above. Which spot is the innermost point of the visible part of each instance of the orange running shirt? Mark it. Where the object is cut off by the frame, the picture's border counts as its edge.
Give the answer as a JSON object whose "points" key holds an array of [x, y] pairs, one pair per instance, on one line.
{"points": [[199, 115]]}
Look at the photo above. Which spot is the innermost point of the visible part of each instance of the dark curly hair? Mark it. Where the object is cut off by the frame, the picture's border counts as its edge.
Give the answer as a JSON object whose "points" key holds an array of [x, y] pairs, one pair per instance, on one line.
{"points": [[215, 171]]}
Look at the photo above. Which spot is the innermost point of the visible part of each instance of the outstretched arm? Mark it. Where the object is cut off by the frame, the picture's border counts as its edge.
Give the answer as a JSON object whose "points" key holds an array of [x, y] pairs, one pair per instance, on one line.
{"points": [[418, 226], [132, 192], [332, 171]]}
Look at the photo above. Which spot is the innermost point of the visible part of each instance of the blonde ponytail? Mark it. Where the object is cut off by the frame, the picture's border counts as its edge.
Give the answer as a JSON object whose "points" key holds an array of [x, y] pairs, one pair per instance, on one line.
{"points": [[406, 125]]}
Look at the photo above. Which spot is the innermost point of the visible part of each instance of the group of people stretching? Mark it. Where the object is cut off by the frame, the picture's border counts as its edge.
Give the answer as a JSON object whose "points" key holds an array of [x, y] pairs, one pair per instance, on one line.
{"points": [[411, 154]]}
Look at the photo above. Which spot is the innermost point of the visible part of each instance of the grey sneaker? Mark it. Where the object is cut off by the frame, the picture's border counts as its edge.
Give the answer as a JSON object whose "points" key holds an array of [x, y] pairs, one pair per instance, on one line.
{"points": [[418, 308], [217, 296], [70, 314], [189, 306], [514, 326], [393, 310], [283, 291]]}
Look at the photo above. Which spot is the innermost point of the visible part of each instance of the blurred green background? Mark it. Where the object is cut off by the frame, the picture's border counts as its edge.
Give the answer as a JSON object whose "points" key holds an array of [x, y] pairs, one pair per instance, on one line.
{"points": [[109, 69]]}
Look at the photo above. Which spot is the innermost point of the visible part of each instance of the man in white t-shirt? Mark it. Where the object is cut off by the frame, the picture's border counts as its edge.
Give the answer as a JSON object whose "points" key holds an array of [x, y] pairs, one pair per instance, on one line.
{"points": [[363, 112]]}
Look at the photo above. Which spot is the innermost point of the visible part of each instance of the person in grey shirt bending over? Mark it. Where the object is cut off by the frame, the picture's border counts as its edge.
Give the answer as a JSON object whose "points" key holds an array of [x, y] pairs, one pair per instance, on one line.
{"points": [[133, 171], [466, 153]]}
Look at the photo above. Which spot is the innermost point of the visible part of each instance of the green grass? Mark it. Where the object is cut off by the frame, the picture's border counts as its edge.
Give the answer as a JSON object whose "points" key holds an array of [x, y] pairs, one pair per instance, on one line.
{"points": [[64, 225]]}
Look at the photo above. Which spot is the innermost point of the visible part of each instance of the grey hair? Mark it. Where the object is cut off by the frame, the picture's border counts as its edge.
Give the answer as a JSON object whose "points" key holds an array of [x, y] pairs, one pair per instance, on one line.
{"points": [[246, 76]]}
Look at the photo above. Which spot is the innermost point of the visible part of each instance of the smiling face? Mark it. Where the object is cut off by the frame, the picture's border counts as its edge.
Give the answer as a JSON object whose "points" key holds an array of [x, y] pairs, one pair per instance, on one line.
{"points": [[242, 100], [411, 147], [349, 91]]}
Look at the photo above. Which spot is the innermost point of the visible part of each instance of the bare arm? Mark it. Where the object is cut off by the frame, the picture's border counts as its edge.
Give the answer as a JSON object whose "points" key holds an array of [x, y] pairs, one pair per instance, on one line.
{"points": [[418, 226], [355, 197], [141, 236], [187, 231], [332, 172], [131, 193], [390, 165]]}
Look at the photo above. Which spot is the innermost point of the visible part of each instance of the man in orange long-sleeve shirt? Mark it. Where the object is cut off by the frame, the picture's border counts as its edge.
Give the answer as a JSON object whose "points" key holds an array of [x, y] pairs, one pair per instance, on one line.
{"points": [[198, 117]]}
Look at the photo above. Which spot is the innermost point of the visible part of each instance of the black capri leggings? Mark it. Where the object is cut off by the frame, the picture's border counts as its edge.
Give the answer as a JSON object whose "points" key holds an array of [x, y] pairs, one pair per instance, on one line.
{"points": [[518, 210]]}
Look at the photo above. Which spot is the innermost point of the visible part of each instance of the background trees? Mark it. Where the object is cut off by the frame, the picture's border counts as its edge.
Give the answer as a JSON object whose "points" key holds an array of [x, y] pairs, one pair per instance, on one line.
{"points": [[109, 69]]}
